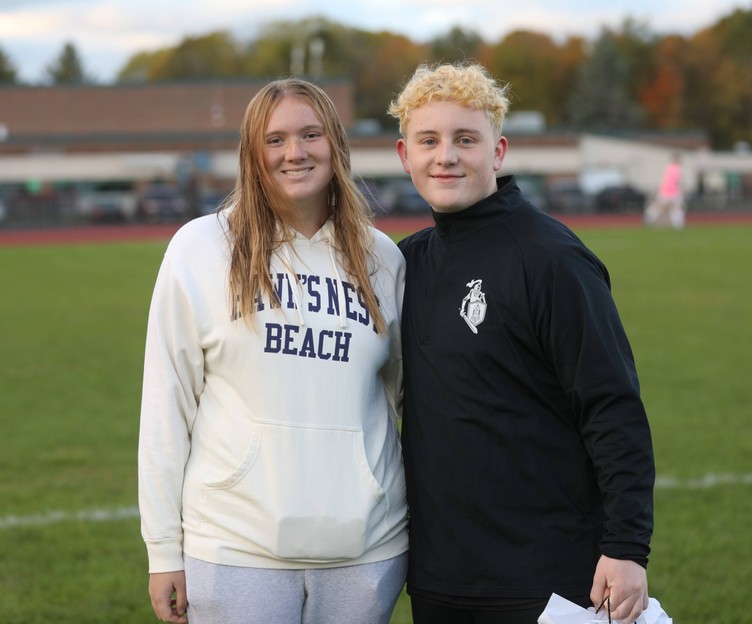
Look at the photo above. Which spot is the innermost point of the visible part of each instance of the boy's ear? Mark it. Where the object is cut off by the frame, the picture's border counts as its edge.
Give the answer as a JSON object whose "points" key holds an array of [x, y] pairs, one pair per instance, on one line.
{"points": [[499, 152], [402, 151]]}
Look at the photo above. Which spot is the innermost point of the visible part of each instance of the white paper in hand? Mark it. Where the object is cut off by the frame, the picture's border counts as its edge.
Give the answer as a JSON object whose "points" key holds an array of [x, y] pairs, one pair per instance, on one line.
{"points": [[561, 611]]}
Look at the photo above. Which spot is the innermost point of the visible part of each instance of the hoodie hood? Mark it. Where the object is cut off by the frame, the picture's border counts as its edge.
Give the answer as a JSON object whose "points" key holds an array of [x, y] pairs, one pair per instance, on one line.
{"points": [[293, 254]]}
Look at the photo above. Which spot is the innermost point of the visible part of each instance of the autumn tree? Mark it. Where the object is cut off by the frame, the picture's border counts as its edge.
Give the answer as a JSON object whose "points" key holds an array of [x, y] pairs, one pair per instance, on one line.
{"points": [[533, 66], [211, 56], [570, 57], [456, 44], [215, 55], [283, 48], [68, 67], [628, 77], [146, 66], [393, 60], [635, 44], [375, 62], [719, 79], [7, 69], [267, 57], [600, 99], [662, 92]]}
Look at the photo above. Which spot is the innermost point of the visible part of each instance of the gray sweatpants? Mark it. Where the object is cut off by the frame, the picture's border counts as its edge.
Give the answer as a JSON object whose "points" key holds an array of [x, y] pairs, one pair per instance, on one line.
{"points": [[362, 594]]}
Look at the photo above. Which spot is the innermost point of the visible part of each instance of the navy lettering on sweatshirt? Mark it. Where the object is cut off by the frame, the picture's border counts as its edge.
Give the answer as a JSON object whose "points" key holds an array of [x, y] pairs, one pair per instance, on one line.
{"points": [[305, 342], [316, 295]]}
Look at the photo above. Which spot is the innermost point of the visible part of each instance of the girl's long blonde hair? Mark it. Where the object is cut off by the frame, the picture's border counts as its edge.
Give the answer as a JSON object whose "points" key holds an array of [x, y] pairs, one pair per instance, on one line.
{"points": [[260, 219]]}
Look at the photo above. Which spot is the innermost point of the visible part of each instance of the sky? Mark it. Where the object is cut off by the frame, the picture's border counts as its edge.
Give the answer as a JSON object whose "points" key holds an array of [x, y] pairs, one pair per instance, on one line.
{"points": [[107, 33]]}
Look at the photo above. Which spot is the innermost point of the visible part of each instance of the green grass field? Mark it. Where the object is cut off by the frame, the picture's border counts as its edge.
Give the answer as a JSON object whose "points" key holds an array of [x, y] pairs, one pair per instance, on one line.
{"points": [[73, 321]]}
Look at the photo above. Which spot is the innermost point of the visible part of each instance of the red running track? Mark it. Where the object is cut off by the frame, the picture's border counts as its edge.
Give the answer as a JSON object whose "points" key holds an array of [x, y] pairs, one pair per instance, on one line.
{"points": [[401, 224]]}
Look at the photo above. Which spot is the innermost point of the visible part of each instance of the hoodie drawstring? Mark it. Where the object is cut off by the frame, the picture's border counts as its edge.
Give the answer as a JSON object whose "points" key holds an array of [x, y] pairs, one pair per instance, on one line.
{"points": [[295, 283], [292, 278], [340, 285]]}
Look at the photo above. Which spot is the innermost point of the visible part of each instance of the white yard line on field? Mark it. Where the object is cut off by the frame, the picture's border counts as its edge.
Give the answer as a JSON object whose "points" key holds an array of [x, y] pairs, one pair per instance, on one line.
{"points": [[129, 513], [55, 517], [700, 483]]}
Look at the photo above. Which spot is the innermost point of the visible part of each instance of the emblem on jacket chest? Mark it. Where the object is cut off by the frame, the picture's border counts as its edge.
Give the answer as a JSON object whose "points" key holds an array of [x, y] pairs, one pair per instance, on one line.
{"points": [[473, 307]]}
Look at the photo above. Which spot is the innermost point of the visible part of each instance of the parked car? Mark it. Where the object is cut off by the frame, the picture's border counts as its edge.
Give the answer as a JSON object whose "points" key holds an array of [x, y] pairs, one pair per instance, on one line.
{"points": [[107, 202], [162, 203], [622, 198], [107, 212], [531, 188], [209, 202], [566, 197], [374, 195], [403, 198]]}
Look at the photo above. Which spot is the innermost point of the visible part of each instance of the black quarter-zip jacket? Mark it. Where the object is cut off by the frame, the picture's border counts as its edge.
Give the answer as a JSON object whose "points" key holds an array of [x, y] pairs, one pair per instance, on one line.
{"points": [[527, 448]]}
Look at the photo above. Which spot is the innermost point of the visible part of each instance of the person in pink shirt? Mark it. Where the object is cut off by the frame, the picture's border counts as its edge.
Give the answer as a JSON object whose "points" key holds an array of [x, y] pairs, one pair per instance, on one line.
{"points": [[670, 199]]}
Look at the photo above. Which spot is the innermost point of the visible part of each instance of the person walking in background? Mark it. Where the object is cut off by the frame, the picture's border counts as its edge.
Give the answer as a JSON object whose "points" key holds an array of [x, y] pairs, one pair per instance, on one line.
{"points": [[669, 201], [271, 485], [528, 452]]}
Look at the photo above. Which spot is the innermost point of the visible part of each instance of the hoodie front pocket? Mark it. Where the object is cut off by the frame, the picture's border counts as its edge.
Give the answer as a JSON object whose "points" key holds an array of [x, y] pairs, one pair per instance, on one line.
{"points": [[301, 493]]}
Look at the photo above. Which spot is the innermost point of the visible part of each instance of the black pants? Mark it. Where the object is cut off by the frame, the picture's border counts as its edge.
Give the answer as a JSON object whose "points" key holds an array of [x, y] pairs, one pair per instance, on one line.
{"points": [[430, 613]]}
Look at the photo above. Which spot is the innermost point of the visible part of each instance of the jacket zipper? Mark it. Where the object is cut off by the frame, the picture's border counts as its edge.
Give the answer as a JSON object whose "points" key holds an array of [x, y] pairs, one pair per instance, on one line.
{"points": [[433, 290]]}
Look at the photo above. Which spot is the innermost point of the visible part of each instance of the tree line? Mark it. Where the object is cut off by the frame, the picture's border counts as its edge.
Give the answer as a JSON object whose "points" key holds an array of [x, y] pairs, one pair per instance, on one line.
{"points": [[626, 79]]}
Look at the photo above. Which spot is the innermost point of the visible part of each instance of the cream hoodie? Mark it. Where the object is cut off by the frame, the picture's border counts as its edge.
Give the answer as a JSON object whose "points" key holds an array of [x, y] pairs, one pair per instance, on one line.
{"points": [[276, 445]]}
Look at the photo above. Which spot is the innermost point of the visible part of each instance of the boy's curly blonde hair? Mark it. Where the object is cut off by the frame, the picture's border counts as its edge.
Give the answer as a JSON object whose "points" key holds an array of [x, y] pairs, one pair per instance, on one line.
{"points": [[468, 84]]}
